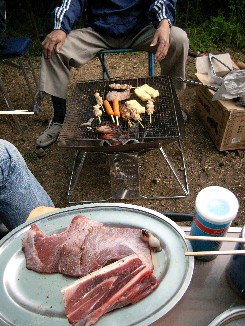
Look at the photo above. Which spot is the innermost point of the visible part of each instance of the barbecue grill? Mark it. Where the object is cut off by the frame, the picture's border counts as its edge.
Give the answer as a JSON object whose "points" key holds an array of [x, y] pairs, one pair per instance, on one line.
{"points": [[165, 126]]}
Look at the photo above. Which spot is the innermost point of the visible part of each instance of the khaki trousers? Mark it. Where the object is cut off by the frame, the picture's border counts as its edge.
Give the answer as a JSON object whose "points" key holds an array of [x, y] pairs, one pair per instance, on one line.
{"points": [[82, 45]]}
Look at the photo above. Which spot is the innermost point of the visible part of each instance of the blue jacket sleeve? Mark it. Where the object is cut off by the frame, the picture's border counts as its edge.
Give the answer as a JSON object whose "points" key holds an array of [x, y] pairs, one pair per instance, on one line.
{"points": [[69, 13], [163, 9]]}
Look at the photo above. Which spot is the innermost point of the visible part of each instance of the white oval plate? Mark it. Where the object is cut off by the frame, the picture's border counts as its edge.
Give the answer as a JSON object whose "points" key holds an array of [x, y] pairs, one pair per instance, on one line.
{"points": [[30, 298]]}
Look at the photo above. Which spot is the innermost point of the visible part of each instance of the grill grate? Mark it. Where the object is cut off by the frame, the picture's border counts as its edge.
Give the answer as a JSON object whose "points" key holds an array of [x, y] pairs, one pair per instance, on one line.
{"points": [[167, 122]]}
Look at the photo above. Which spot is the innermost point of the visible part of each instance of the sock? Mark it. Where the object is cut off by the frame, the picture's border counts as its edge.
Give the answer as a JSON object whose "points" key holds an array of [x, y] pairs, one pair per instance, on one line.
{"points": [[59, 105]]}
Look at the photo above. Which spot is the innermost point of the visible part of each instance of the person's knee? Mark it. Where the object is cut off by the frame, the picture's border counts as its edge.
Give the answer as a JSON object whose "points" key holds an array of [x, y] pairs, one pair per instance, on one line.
{"points": [[179, 39], [9, 157], [5, 149]]}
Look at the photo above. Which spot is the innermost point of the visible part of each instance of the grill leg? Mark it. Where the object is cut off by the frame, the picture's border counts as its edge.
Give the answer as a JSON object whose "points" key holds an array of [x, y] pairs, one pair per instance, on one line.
{"points": [[77, 167], [184, 185]]}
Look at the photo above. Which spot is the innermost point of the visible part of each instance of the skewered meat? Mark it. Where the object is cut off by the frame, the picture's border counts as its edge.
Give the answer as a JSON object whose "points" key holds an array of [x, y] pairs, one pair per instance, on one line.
{"points": [[121, 96], [98, 98], [150, 108], [97, 111], [136, 116], [125, 113]]}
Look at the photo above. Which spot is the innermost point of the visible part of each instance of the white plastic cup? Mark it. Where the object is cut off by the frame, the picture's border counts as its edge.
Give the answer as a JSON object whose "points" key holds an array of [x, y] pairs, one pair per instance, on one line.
{"points": [[215, 209]]}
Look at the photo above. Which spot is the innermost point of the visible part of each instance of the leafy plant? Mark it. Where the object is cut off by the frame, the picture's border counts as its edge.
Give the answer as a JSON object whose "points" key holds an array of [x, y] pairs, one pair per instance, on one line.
{"points": [[216, 32]]}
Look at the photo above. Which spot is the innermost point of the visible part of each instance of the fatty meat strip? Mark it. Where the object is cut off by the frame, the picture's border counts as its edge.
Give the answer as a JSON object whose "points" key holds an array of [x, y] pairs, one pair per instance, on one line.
{"points": [[124, 282]]}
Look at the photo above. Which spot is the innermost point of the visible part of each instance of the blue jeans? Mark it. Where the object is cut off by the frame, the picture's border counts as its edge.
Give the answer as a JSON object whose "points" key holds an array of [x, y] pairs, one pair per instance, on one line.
{"points": [[20, 192]]}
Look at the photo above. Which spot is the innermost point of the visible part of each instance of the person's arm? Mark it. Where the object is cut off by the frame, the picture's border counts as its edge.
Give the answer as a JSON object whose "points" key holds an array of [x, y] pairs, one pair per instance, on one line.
{"points": [[162, 14], [65, 17], [161, 10], [69, 13]]}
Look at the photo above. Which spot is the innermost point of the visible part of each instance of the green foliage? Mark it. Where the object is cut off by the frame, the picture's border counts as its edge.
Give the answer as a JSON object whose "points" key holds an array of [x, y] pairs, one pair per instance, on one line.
{"points": [[217, 32], [213, 24]]}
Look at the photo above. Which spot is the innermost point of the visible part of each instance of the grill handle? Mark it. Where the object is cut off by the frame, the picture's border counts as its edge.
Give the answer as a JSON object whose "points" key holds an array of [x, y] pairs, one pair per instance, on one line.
{"points": [[195, 83]]}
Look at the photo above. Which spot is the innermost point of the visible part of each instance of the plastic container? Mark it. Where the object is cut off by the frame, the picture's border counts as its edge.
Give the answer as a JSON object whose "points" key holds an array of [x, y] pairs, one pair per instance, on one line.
{"points": [[215, 209], [235, 271]]}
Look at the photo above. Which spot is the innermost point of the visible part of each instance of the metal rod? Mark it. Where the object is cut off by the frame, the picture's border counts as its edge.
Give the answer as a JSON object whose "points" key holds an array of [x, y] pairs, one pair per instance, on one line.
{"points": [[170, 164], [77, 166], [219, 239], [195, 83]]}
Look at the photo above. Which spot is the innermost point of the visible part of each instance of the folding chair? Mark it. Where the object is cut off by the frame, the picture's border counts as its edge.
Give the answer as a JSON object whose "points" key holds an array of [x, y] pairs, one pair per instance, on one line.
{"points": [[16, 55], [105, 73]]}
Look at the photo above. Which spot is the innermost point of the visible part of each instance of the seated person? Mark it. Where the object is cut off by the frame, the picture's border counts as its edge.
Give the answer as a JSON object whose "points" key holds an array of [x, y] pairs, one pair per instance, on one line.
{"points": [[20, 192], [138, 24]]}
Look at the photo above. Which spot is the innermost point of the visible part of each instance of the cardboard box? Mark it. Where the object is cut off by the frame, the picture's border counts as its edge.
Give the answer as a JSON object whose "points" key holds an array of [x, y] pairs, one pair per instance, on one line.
{"points": [[221, 67], [224, 120]]}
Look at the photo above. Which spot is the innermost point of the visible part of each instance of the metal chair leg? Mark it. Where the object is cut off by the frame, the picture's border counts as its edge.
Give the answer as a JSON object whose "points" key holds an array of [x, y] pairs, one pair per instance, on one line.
{"points": [[105, 72], [10, 106], [151, 64]]}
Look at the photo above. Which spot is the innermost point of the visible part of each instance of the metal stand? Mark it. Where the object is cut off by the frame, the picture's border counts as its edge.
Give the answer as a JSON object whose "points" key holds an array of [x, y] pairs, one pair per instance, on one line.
{"points": [[152, 166], [124, 175]]}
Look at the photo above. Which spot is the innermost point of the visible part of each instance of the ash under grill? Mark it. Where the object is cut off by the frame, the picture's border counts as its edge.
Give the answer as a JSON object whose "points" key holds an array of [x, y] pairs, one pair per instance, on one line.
{"points": [[167, 123]]}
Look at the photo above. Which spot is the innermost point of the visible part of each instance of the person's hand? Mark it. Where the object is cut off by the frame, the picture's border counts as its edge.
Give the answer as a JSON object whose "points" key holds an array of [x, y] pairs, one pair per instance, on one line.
{"points": [[161, 40], [53, 40], [40, 210]]}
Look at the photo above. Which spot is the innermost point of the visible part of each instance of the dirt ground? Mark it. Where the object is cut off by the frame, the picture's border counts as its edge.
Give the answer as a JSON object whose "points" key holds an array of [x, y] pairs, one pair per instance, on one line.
{"points": [[205, 165]]}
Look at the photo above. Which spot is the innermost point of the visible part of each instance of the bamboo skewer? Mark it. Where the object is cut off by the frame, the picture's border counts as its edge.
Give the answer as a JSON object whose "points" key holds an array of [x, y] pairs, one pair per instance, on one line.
{"points": [[219, 239], [208, 253], [16, 112]]}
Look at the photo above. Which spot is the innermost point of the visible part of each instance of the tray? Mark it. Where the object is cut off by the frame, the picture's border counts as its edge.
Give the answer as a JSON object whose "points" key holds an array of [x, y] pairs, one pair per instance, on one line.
{"points": [[30, 298]]}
